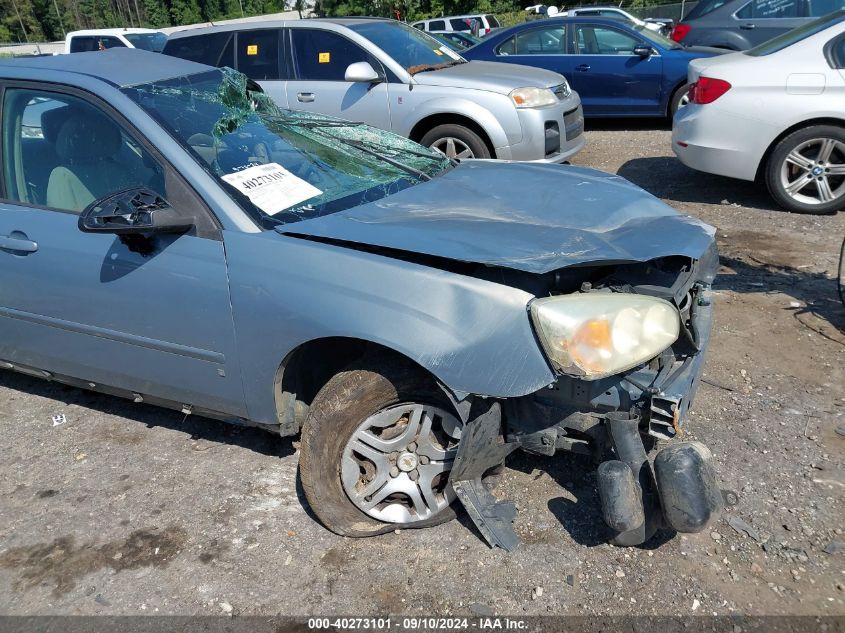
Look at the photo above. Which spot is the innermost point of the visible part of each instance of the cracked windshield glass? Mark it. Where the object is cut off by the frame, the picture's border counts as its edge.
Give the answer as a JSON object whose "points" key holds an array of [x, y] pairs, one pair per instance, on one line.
{"points": [[282, 166]]}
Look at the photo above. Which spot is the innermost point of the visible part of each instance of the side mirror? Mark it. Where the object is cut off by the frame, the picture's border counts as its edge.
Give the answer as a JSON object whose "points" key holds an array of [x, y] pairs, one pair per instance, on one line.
{"points": [[643, 50], [131, 212], [362, 72]]}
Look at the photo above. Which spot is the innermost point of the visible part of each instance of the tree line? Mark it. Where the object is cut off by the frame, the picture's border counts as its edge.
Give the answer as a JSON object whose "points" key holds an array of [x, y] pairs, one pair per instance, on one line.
{"points": [[49, 20]]}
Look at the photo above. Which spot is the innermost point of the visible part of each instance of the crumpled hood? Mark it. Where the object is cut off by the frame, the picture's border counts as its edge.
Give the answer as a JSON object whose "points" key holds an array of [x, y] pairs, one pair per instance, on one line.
{"points": [[490, 76], [534, 218]]}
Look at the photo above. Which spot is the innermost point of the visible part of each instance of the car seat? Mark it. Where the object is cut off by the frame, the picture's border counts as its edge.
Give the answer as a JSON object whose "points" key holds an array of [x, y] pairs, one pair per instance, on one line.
{"points": [[86, 144]]}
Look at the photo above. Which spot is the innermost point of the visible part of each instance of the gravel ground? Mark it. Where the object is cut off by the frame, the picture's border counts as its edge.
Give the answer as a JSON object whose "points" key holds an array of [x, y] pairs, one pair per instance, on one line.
{"points": [[128, 509]]}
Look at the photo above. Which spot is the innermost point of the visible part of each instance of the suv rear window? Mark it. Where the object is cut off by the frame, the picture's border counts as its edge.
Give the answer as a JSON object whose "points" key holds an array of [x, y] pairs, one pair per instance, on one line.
{"points": [[796, 35], [492, 22], [769, 9], [704, 7]]}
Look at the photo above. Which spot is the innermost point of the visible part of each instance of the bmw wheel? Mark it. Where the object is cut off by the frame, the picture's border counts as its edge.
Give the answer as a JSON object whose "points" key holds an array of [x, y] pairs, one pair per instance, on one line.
{"points": [[806, 171], [377, 448]]}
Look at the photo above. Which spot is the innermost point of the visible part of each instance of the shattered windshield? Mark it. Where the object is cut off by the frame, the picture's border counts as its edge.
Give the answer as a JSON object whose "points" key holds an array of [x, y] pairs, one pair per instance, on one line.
{"points": [[414, 50], [282, 166]]}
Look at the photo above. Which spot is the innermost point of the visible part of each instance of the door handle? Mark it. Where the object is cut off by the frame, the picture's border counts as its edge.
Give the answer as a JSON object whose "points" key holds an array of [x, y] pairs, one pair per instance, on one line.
{"points": [[17, 242], [748, 27], [305, 97], [583, 68]]}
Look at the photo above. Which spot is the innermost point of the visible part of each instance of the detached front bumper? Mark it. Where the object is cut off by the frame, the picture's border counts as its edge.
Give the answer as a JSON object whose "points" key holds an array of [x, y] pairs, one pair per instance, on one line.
{"points": [[608, 420]]}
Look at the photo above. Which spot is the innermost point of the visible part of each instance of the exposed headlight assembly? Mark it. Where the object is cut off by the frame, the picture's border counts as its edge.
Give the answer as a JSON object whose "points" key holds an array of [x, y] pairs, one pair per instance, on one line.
{"points": [[532, 97], [594, 335]]}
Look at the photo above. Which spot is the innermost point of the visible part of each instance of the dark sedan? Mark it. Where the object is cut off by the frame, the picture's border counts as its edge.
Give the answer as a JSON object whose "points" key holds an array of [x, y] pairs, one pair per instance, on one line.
{"points": [[618, 69]]}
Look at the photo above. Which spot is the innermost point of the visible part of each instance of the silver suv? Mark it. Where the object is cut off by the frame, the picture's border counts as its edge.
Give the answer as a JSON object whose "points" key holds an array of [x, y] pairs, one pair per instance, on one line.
{"points": [[389, 75]]}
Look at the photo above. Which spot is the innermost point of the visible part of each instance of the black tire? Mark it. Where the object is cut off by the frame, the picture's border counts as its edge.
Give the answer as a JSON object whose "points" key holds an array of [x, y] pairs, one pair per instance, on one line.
{"points": [[677, 96], [438, 135], [348, 399], [776, 162]]}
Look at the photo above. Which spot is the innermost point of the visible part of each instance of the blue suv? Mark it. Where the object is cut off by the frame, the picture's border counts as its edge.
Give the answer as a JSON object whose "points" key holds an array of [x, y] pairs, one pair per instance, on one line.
{"points": [[619, 70]]}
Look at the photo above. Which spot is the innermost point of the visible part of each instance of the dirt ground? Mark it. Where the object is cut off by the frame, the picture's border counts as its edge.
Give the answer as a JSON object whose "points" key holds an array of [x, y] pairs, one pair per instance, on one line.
{"points": [[129, 509]]}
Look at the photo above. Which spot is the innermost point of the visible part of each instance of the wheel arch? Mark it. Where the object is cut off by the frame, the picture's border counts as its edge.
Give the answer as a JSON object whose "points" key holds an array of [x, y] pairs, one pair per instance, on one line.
{"points": [[764, 159], [431, 121], [672, 94], [310, 365]]}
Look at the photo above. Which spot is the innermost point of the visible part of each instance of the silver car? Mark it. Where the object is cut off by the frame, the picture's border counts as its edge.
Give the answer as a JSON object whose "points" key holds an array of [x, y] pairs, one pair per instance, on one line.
{"points": [[389, 75]]}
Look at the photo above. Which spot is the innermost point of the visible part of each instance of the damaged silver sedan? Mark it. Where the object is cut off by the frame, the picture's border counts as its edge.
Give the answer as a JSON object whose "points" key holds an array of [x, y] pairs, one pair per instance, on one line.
{"points": [[169, 235]]}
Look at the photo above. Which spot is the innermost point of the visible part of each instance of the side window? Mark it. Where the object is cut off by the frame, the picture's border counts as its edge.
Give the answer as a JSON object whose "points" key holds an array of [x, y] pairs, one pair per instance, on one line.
{"points": [[61, 152], [835, 52], [437, 25], [603, 40], [258, 53], [508, 47], [458, 24], [82, 44], [324, 55], [818, 8], [547, 41], [759, 9], [108, 41], [205, 49], [419, 25]]}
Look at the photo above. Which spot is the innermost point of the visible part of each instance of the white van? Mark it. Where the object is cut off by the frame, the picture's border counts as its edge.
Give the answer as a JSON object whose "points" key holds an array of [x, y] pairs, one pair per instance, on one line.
{"points": [[463, 23], [102, 39]]}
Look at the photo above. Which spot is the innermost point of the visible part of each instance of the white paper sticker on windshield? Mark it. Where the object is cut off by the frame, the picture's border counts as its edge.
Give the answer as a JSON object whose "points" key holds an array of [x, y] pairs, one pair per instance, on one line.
{"points": [[448, 51], [271, 187]]}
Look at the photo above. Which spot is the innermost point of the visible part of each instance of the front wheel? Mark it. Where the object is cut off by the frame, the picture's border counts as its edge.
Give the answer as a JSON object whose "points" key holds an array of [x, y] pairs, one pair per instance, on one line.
{"points": [[806, 171], [456, 141], [377, 448]]}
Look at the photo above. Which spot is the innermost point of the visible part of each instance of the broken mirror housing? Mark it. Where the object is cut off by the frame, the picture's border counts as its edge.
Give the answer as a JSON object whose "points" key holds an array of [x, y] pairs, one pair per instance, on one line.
{"points": [[595, 335]]}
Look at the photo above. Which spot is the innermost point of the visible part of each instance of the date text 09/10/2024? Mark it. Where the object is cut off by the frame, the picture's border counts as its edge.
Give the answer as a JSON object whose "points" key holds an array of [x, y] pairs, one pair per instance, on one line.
{"points": [[418, 623]]}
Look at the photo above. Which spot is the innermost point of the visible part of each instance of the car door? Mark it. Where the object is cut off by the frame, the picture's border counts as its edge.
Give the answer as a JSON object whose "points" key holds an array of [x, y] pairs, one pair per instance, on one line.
{"points": [[541, 47], [761, 20], [146, 315], [259, 54], [610, 78], [320, 59]]}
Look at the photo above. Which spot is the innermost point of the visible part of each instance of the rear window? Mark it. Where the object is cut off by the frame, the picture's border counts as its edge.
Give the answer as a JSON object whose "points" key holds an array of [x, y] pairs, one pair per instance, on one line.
{"points": [[704, 7], [204, 49], [492, 21], [757, 9], [147, 41], [796, 35], [86, 44]]}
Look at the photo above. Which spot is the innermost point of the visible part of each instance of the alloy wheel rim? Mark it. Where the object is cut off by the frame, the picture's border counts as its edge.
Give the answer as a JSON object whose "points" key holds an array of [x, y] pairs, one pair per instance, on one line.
{"points": [[814, 172], [684, 100], [395, 466], [453, 147]]}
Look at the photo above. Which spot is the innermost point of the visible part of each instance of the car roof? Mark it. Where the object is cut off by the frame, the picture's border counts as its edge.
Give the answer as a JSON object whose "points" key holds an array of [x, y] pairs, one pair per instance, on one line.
{"points": [[273, 24], [122, 31], [572, 19], [116, 66]]}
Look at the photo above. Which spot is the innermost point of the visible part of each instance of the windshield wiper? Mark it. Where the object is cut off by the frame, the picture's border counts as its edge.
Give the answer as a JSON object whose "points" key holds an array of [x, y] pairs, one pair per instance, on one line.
{"points": [[396, 163]]}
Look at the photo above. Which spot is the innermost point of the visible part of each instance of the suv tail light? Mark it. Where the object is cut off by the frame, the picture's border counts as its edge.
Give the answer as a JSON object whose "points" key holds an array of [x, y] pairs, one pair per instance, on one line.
{"points": [[707, 90], [680, 31]]}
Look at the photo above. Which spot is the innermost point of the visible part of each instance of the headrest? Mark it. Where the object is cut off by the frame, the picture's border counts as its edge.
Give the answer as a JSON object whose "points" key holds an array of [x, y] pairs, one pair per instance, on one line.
{"points": [[87, 137], [52, 120]]}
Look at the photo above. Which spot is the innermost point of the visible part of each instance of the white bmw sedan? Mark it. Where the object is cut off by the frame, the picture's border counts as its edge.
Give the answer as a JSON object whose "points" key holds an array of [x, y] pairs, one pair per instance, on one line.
{"points": [[775, 113]]}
